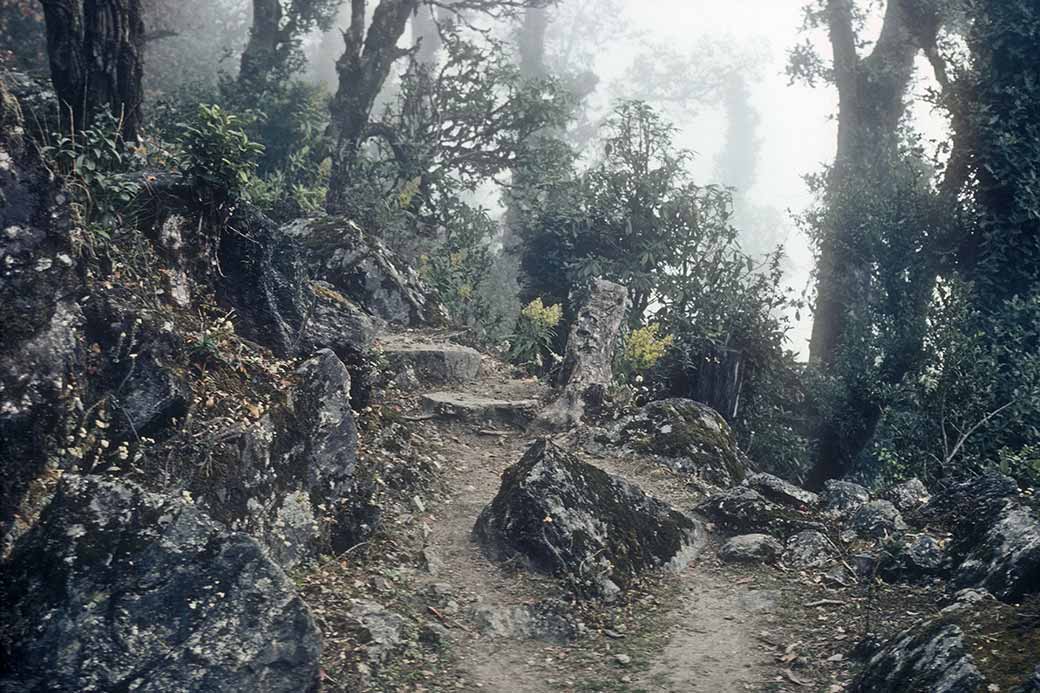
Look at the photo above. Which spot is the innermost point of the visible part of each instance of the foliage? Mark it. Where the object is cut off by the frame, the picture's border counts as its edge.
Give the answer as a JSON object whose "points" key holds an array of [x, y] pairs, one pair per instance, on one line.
{"points": [[219, 158], [531, 344], [637, 217], [451, 129], [95, 160], [643, 349]]}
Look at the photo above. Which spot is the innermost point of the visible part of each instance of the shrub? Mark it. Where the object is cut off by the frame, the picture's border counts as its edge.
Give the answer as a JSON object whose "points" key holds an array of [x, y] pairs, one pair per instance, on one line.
{"points": [[531, 343], [218, 156]]}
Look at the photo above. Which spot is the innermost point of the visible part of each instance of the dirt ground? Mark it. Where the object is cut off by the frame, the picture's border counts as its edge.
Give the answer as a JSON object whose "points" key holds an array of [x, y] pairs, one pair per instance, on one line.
{"points": [[712, 628]]}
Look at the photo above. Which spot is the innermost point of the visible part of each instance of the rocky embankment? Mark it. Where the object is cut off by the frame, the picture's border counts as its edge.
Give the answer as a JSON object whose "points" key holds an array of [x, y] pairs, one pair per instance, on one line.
{"points": [[239, 456]]}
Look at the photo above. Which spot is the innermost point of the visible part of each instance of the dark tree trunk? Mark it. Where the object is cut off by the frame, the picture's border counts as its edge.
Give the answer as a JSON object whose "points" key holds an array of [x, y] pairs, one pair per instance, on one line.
{"points": [[872, 100], [362, 70], [720, 379], [268, 47], [95, 52]]}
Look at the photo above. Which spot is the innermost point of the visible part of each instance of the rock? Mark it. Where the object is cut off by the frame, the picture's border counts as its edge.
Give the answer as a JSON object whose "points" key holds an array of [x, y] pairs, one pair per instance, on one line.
{"points": [[745, 510], [1004, 556], [36, 101], [751, 548], [333, 321], [336, 250], [462, 406], [40, 350], [940, 654], [549, 621], [783, 492], [841, 496], [912, 559], [148, 399], [119, 589], [906, 496], [381, 631], [572, 520], [686, 436], [809, 549], [876, 519], [432, 363], [968, 502], [288, 478], [587, 368], [932, 657]]}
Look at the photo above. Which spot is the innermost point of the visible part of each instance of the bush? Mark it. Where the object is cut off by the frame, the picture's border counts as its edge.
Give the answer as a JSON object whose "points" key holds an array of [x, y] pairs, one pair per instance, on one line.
{"points": [[218, 156], [531, 345]]}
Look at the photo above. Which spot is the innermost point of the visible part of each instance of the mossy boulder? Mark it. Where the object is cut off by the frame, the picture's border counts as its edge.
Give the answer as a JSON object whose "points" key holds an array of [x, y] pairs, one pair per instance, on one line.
{"points": [[117, 589], [572, 520], [744, 510], [687, 436], [970, 647]]}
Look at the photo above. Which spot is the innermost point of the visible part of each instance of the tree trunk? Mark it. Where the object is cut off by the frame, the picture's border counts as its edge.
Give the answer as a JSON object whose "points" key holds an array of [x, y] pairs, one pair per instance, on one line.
{"points": [[267, 47], [362, 69], [720, 378], [871, 102], [871, 97], [95, 52]]}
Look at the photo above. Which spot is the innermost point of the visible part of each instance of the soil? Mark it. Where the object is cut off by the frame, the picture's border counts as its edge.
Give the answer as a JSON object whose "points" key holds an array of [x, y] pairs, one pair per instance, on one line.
{"points": [[713, 627]]}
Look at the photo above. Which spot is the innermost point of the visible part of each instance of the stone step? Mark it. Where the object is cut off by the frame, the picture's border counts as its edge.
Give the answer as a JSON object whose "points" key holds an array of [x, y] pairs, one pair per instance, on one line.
{"points": [[478, 409], [431, 362]]}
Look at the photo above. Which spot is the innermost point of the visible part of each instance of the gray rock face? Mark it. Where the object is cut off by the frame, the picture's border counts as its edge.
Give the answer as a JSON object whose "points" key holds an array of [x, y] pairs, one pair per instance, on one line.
{"points": [[333, 321], [588, 360], [1005, 558], [572, 520], [549, 621], [382, 631], [686, 436], [940, 654], [968, 501], [751, 548], [783, 492], [912, 559], [432, 363], [745, 510], [843, 496], [39, 317], [118, 589], [288, 478], [149, 397], [366, 271], [906, 496], [809, 549], [461, 406], [933, 657], [876, 519]]}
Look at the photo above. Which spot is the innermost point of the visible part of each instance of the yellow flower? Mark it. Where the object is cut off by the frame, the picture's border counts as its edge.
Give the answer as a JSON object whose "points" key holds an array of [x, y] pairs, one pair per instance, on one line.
{"points": [[541, 316], [644, 348]]}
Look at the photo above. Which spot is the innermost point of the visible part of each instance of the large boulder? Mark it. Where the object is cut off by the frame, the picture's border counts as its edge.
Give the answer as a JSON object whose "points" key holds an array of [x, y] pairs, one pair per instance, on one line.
{"points": [[912, 558], [572, 520], [809, 549], [907, 495], [975, 645], [995, 535], [751, 548], [1004, 556], [587, 368], [744, 510], [116, 589], [686, 436], [876, 519], [288, 478], [781, 491], [840, 497], [40, 348], [336, 250]]}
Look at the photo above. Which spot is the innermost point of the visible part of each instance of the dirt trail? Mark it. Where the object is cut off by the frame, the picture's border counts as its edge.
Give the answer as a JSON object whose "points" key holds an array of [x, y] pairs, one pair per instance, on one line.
{"points": [[702, 636]]}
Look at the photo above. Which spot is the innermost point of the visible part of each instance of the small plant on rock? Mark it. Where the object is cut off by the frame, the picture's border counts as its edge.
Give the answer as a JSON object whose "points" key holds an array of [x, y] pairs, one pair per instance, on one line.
{"points": [[219, 158]]}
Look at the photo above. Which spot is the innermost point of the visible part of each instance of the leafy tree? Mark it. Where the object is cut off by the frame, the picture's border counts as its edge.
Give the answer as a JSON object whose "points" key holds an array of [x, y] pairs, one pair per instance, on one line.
{"points": [[273, 52]]}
